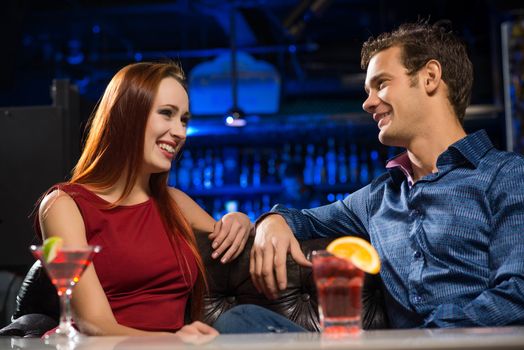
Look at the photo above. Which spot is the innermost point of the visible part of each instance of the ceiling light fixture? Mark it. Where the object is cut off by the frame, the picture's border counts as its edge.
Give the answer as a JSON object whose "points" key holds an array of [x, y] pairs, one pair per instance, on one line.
{"points": [[235, 116]]}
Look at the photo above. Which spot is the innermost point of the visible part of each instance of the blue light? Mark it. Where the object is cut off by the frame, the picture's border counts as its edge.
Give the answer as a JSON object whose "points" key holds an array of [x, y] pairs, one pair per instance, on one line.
{"points": [[138, 56], [331, 197], [96, 29], [76, 58], [258, 86], [231, 206], [292, 48], [75, 55], [229, 120], [191, 131]]}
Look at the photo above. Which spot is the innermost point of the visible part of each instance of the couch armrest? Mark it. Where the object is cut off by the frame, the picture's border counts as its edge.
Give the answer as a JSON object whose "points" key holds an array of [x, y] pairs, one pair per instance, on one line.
{"points": [[29, 326]]}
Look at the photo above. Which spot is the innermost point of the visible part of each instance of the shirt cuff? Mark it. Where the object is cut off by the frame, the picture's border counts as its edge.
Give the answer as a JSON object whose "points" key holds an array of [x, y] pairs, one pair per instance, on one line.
{"points": [[294, 218]]}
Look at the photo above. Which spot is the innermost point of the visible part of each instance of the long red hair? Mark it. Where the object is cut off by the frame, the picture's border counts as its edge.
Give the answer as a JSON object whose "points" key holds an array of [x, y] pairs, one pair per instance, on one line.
{"points": [[115, 146]]}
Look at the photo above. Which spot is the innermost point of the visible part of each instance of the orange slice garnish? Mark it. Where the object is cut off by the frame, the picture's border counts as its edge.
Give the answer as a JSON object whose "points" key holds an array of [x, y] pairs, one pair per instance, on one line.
{"points": [[358, 251]]}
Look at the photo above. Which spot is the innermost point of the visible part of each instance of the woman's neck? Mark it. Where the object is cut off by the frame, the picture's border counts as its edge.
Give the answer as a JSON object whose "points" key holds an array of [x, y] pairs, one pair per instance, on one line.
{"points": [[139, 193]]}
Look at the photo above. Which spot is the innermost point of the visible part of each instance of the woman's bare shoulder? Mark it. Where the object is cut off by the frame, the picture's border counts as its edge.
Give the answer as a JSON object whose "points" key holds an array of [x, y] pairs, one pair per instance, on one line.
{"points": [[60, 216], [58, 198]]}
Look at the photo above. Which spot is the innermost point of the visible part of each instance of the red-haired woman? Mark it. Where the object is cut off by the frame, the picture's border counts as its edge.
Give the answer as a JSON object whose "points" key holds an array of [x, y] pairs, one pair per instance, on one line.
{"points": [[118, 198]]}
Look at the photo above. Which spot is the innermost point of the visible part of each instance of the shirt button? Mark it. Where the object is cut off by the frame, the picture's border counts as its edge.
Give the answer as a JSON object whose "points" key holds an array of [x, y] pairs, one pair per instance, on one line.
{"points": [[417, 298], [417, 254]]}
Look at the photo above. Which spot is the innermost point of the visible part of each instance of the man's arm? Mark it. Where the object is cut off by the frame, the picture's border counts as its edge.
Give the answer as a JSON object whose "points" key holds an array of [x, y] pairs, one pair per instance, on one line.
{"points": [[503, 302], [275, 236]]}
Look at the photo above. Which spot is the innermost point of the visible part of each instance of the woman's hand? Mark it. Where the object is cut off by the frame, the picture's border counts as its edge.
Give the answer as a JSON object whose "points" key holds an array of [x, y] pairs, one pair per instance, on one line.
{"points": [[230, 235], [196, 333]]}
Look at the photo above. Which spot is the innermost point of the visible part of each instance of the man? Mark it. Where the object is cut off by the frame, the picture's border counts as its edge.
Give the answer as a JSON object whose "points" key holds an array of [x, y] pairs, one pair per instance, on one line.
{"points": [[447, 219]]}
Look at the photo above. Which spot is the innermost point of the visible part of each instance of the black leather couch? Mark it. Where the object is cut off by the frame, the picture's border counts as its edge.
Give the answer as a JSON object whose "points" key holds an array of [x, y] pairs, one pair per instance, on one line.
{"points": [[230, 285]]}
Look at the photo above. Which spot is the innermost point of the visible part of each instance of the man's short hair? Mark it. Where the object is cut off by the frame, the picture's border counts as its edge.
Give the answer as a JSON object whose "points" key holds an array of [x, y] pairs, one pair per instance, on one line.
{"points": [[421, 42]]}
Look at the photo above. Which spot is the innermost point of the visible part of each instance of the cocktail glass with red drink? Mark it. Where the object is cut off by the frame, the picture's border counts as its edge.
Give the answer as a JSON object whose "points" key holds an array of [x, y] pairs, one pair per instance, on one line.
{"points": [[339, 287], [65, 270]]}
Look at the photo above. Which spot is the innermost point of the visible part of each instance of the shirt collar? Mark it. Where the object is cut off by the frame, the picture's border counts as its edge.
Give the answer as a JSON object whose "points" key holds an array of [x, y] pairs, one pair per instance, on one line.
{"points": [[471, 148], [400, 164]]}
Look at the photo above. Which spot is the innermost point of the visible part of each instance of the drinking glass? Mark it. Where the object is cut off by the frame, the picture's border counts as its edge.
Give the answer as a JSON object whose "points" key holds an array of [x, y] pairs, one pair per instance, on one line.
{"points": [[339, 287], [65, 271]]}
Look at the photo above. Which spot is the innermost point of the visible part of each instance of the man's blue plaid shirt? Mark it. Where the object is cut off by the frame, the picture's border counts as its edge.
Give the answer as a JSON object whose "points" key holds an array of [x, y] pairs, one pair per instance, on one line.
{"points": [[451, 247]]}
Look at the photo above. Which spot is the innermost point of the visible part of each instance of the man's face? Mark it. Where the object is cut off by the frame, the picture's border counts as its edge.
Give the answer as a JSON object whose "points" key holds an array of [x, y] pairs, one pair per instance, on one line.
{"points": [[394, 98]]}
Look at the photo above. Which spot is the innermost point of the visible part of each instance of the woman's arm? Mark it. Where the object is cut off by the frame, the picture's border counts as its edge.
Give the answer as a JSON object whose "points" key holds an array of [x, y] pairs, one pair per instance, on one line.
{"points": [[200, 221], [59, 216], [229, 234]]}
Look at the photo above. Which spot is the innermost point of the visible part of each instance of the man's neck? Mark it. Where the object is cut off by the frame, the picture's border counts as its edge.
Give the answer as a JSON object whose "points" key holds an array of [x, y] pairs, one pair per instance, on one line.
{"points": [[424, 151]]}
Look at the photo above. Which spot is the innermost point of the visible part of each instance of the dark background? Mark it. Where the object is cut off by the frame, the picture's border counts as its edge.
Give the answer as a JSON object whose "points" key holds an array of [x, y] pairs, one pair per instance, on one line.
{"points": [[87, 41]]}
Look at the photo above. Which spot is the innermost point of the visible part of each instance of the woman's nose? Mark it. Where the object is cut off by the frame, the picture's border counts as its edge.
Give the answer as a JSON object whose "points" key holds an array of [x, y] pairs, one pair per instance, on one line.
{"points": [[177, 130]]}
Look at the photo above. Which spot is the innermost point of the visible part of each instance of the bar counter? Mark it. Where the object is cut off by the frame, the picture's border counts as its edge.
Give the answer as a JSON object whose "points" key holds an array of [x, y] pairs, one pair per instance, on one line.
{"points": [[421, 339]]}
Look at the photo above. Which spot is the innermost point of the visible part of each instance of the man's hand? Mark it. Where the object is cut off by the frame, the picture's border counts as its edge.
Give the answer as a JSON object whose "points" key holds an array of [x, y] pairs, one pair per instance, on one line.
{"points": [[230, 233], [273, 241]]}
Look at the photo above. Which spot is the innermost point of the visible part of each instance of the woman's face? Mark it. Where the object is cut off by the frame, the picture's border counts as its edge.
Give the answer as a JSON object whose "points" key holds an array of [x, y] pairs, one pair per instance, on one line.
{"points": [[166, 126]]}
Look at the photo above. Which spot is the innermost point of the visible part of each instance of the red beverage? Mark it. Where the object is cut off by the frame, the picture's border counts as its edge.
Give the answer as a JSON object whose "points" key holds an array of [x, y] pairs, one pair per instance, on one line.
{"points": [[65, 270], [339, 287], [67, 267]]}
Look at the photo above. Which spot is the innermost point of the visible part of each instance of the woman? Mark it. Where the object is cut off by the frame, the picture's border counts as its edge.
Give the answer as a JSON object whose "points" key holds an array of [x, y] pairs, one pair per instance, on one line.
{"points": [[117, 197]]}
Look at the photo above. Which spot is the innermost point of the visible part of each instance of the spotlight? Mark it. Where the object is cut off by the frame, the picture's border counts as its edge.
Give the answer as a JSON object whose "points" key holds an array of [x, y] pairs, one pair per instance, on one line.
{"points": [[235, 118]]}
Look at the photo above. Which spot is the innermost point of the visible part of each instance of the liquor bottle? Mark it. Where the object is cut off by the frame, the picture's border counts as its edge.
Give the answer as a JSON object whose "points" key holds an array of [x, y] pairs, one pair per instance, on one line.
{"points": [[247, 208], [184, 170], [197, 173], [208, 169], [353, 164], [320, 172], [364, 167], [271, 168], [342, 168], [257, 208], [218, 179], [309, 167], [257, 170], [376, 164], [266, 203], [244, 172], [217, 209], [230, 165], [331, 163], [285, 160], [171, 180]]}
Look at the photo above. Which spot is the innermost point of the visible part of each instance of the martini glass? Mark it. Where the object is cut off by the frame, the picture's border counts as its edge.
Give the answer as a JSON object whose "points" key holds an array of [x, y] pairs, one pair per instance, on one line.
{"points": [[65, 271]]}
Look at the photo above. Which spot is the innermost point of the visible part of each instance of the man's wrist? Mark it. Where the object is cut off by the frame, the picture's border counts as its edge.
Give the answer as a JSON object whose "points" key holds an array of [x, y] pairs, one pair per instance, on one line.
{"points": [[262, 218]]}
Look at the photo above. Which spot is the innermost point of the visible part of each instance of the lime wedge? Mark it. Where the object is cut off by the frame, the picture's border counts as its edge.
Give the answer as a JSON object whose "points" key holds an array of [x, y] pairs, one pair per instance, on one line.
{"points": [[51, 247]]}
